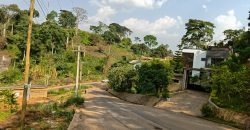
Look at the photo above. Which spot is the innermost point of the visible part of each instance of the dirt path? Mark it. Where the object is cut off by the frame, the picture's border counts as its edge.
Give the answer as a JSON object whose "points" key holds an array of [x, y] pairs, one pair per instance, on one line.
{"points": [[105, 112]]}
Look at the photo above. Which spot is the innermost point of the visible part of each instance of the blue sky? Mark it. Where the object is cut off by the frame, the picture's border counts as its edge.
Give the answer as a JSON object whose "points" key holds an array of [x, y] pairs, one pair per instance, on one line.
{"points": [[163, 18]]}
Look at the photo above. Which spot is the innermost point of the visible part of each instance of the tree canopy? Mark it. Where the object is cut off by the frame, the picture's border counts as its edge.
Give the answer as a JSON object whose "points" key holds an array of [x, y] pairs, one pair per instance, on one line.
{"points": [[67, 19], [198, 33], [150, 40]]}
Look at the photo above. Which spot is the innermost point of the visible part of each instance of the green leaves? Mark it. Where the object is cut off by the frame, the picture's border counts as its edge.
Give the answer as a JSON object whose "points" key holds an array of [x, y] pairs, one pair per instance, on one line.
{"points": [[198, 34], [122, 78], [150, 40], [231, 88], [67, 19], [154, 77]]}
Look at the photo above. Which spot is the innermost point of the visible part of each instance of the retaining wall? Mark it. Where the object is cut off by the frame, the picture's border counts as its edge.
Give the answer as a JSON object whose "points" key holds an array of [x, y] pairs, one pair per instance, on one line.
{"points": [[136, 98]]}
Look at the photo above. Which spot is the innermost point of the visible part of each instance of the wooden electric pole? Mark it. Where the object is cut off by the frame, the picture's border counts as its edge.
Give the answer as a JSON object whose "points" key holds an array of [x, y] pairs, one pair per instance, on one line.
{"points": [[27, 65]]}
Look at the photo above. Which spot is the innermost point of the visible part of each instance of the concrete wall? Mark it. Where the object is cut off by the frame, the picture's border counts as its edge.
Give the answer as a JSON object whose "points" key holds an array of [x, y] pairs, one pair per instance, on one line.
{"points": [[34, 93], [229, 115], [197, 62], [136, 98]]}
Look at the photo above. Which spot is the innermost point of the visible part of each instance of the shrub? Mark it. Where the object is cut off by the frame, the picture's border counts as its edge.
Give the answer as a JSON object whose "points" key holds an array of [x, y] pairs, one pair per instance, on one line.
{"points": [[122, 78], [154, 77], [9, 98], [77, 101], [231, 88], [207, 111], [140, 49], [10, 76]]}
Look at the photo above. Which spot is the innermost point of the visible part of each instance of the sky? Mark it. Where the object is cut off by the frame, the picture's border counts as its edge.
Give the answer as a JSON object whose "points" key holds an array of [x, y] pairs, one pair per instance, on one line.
{"points": [[163, 18]]}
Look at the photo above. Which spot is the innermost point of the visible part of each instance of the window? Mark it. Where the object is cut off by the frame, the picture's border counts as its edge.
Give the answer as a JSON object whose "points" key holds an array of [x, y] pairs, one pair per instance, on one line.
{"points": [[203, 59]]}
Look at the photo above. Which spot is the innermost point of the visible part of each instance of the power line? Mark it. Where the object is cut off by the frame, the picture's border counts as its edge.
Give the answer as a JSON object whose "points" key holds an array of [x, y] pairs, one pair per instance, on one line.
{"points": [[44, 5], [72, 3], [39, 4], [59, 4], [26, 2]]}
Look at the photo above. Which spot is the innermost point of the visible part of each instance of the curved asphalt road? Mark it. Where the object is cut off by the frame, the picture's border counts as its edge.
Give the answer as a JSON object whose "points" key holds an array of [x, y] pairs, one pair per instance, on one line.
{"points": [[105, 112]]}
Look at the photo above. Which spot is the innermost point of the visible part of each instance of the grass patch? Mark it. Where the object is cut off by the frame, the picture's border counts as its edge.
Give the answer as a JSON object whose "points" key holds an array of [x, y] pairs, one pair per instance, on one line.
{"points": [[59, 91], [4, 115], [76, 101]]}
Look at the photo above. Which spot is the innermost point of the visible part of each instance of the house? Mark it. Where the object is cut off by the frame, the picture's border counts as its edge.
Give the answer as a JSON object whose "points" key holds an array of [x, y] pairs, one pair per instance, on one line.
{"points": [[198, 58]]}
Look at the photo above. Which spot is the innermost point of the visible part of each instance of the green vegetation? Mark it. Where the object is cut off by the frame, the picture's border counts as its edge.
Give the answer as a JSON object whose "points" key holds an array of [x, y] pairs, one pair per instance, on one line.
{"points": [[52, 58], [231, 89], [10, 76], [56, 113], [198, 34], [207, 111], [152, 78], [59, 91], [76, 101], [122, 78], [9, 100], [4, 115]]}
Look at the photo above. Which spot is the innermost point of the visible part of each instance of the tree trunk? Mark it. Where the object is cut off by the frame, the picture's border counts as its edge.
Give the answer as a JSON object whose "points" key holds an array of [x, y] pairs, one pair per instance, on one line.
{"points": [[67, 42], [12, 29], [76, 29], [4, 30]]}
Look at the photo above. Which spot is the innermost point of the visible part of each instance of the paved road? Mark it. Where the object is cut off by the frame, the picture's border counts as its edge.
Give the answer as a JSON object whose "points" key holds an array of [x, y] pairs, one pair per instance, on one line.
{"points": [[105, 112]]}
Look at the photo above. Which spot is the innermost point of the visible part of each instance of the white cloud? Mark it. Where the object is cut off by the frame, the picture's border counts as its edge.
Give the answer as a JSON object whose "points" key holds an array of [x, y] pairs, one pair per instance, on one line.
{"points": [[158, 26], [104, 14], [224, 22], [204, 7], [150, 4], [166, 29]]}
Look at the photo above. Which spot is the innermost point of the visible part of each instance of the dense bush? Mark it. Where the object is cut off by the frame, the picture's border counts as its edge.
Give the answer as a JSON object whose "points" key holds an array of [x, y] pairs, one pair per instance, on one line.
{"points": [[10, 76], [122, 78], [207, 111], [154, 77], [231, 88], [9, 99], [77, 101]]}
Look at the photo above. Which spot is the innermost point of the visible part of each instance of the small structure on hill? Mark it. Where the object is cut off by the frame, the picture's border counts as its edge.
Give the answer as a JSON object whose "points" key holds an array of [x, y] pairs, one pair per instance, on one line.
{"points": [[5, 61]]}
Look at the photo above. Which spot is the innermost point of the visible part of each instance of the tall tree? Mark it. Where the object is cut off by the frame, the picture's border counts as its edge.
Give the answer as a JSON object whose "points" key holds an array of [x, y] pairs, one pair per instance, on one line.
{"points": [[121, 31], [7, 13], [51, 16], [150, 40], [67, 19], [81, 15], [232, 37], [100, 29], [198, 34], [178, 61]]}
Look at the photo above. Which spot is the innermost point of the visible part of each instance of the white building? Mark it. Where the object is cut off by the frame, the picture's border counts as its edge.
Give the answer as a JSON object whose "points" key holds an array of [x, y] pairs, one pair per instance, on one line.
{"points": [[197, 58]]}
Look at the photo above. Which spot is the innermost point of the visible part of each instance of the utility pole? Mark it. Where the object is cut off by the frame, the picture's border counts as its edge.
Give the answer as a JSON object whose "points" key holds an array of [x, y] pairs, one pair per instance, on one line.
{"points": [[77, 73], [27, 65], [78, 69]]}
